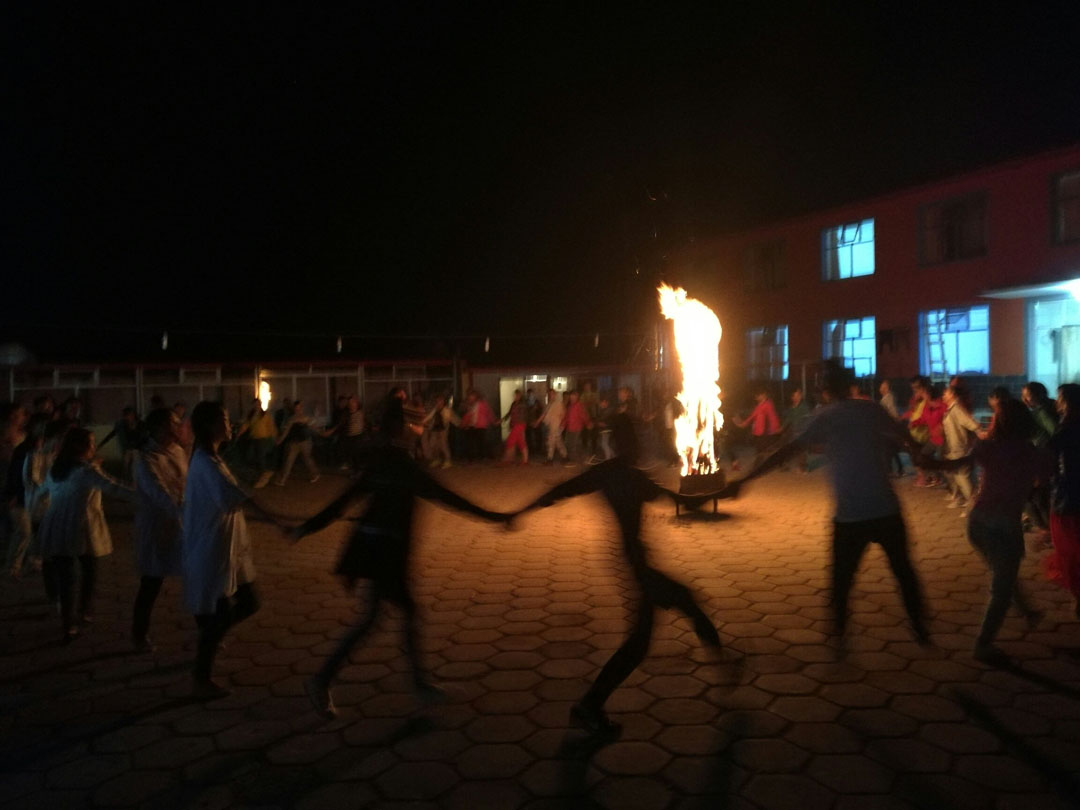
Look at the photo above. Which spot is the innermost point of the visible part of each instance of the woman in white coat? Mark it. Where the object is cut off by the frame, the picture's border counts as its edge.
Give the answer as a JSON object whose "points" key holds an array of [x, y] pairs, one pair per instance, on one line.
{"points": [[218, 569], [74, 525], [160, 475]]}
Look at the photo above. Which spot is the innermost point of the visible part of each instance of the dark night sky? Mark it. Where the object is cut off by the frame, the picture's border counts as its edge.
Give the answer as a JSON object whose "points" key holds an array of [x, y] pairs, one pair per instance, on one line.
{"points": [[467, 169]]}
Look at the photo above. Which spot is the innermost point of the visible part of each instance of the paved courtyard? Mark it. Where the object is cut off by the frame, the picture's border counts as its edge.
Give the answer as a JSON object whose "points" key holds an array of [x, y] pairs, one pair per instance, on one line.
{"points": [[515, 624]]}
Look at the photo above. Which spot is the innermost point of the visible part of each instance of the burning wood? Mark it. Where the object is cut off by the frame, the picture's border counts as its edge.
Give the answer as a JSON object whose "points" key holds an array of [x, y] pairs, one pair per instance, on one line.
{"points": [[697, 335]]}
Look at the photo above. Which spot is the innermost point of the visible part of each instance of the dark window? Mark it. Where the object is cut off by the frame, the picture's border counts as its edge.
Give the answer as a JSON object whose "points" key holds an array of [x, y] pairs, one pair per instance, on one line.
{"points": [[1067, 207], [953, 229], [765, 266]]}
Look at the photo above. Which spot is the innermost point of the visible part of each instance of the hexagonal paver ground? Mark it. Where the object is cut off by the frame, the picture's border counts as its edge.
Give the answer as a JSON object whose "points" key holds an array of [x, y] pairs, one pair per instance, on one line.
{"points": [[516, 625]]}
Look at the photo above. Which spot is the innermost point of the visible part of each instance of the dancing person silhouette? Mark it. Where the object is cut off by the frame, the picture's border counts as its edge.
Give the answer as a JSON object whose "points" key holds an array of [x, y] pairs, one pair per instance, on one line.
{"points": [[626, 489], [381, 547]]}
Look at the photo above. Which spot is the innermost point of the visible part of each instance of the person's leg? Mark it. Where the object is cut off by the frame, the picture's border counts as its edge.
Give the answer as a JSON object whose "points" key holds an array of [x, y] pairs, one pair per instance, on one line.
{"points": [[589, 712], [291, 451], [350, 640], [892, 535], [665, 592], [306, 451], [88, 565], [212, 629], [149, 588], [63, 568], [244, 604], [1004, 561], [560, 445], [18, 540], [551, 444], [964, 486], [51, 579], [573, 445], [605, 444], [849, 541]]}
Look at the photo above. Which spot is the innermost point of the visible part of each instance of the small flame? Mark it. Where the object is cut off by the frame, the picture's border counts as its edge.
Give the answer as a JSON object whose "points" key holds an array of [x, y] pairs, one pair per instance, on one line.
{"points": [[697, 335], [264, 394]]}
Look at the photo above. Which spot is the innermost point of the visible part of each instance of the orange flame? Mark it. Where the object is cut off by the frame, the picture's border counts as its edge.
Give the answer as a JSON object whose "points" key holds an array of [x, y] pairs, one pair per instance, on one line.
{"points": [[697, 335]]}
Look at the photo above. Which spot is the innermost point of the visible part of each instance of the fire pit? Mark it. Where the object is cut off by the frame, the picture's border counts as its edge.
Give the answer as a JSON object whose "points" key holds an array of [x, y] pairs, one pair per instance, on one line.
{"points": [[697, 335], [701, 484]]}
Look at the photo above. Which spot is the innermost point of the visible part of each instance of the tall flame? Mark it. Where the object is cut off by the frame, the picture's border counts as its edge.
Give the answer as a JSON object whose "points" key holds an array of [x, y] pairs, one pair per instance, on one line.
{"points": [[264, 394], [697, 335]]}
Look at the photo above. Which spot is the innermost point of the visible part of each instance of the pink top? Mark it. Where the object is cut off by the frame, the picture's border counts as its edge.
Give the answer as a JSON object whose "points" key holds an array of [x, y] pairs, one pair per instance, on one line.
{"points": [[577, 418], [763, 419]]}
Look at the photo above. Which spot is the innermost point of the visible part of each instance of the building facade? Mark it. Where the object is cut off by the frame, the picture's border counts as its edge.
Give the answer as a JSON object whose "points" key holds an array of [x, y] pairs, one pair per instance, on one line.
{"points": [[978, 274]]}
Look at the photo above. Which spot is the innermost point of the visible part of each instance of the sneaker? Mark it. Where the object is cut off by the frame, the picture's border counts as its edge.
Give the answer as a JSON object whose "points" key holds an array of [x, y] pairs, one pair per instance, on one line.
{"points": [[447, 465], [263, 480], [594, 722], [314, 479], [279, 483], [208, 689], [319, 694], [434, 463]]}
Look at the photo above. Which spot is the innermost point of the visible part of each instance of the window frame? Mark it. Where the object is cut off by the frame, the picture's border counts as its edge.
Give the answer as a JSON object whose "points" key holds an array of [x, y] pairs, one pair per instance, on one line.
{"points": [[764, 266], [826, 251], [828, 351], [1056, 237], [924, 346], [752, 363], [981, 197]]}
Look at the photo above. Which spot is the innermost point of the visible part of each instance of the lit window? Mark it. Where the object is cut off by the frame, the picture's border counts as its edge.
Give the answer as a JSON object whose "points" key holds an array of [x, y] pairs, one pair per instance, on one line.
{"points": [[765, 266], [954, 341], [953, 229], [1067, 207], [854, 342], [767, 353], [848, 250]]}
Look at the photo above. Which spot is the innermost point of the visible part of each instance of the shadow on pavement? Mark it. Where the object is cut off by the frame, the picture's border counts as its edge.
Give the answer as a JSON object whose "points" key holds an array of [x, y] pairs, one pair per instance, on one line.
{"points": [[1062, 779]]}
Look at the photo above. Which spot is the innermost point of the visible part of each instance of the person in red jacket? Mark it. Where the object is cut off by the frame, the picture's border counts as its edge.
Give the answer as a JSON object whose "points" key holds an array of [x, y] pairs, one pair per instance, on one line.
{"points": [[764, 424], [577, 421]]}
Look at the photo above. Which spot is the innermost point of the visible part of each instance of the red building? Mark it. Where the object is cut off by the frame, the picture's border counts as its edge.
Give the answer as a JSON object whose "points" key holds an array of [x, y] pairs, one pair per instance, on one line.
{"points": [[977, 274]]}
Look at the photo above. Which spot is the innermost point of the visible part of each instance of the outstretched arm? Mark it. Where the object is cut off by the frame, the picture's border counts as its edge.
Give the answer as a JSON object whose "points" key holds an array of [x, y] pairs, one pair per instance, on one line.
{"points": [[583, 484], [432, 490], [332, 512]]}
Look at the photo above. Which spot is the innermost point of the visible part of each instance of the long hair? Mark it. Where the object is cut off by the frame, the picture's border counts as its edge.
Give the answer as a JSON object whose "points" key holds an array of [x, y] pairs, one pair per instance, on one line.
{"points": [[1014, 421], [204, 418], [1070, 392], [73, 449]]}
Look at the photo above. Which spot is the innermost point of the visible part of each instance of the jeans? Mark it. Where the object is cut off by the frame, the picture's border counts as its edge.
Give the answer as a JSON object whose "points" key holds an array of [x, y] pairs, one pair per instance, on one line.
{"points": [[1000, 541], [849, 542]]}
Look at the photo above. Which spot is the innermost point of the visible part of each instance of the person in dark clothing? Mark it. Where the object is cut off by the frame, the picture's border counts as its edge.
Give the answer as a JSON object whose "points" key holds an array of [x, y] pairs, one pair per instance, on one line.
{"points": [[626, 489], [1063, 564], [380, 548], [859, 439]]}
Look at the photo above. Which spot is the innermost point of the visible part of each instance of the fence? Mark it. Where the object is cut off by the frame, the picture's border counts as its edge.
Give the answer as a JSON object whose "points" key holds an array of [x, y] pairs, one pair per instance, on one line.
{"points": [[106, 390]]}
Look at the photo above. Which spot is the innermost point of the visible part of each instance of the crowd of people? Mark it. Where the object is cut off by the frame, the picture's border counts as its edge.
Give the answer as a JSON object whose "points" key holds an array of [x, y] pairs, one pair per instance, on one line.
{"points": [[1023, 465]]}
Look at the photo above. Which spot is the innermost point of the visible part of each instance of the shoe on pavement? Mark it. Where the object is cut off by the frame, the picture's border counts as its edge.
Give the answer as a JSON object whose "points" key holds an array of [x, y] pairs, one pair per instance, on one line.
{"points": [[314, 479], [208, 689], [594, 722], [263, 480], [447, 465], [318, 693], [279, 483]]}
